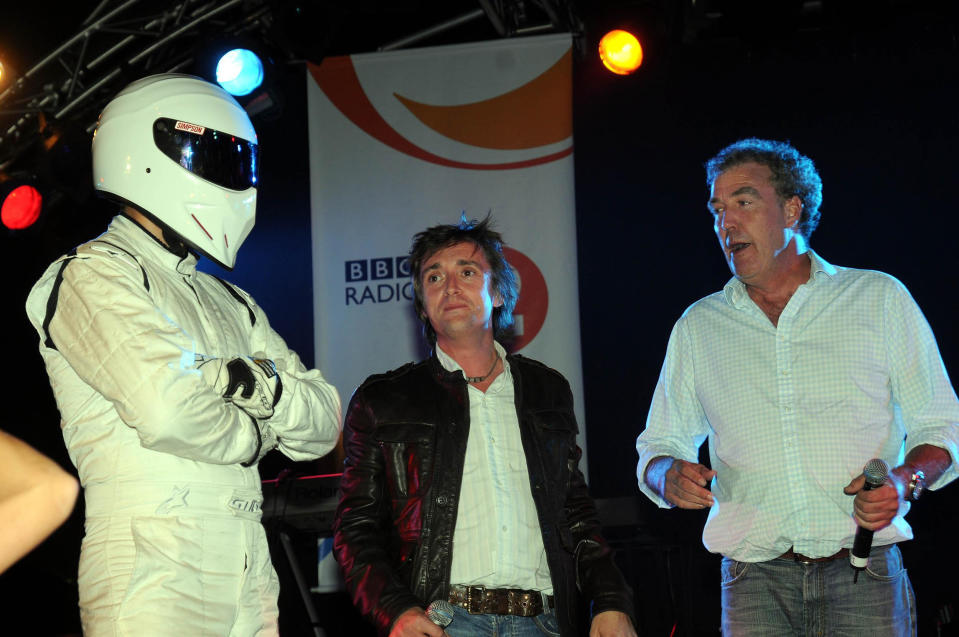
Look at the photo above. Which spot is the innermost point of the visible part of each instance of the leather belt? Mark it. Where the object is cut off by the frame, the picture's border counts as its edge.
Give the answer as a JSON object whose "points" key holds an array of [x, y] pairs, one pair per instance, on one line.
{"points": [[479, 600], [799, 557]]}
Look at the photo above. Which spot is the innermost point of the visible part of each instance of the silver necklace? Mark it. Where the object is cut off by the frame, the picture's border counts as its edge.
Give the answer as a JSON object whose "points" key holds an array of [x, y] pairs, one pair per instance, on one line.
{"points": [[480, 379]]}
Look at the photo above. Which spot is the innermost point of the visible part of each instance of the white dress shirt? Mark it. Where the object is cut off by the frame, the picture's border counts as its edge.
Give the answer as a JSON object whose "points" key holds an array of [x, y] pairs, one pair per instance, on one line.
{"points": [[497, 541], [793, 412]]}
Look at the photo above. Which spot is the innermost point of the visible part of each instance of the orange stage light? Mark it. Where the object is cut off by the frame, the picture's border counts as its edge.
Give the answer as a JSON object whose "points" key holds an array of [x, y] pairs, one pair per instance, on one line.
{"points": [[620, 52]]}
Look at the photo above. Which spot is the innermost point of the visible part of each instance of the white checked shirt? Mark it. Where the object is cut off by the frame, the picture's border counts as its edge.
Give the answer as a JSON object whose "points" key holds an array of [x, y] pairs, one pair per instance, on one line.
{"points": [[497, 541], [794, 412]]}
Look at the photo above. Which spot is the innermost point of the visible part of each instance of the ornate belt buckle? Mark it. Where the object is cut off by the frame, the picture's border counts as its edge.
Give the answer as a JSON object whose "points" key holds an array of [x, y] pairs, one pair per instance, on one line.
{"points": [[481, 598]]}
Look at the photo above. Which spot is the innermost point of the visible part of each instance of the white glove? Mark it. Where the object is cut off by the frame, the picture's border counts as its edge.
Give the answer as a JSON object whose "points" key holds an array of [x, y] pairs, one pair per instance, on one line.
{"points": [[268, 440], [252, 384]]}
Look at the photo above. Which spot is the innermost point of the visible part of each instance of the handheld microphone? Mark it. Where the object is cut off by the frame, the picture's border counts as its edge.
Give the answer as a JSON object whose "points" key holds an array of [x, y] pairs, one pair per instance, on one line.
{"points": [[440, 612], [876, 471]]}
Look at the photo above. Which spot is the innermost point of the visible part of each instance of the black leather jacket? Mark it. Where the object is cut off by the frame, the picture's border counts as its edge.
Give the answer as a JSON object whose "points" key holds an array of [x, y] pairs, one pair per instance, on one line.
{"points": [[405, 441]]}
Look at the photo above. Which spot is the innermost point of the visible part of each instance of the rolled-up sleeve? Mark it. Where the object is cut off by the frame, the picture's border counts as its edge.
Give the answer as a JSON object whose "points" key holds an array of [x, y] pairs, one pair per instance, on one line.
{"points": [[676, 425], [921, 389]]}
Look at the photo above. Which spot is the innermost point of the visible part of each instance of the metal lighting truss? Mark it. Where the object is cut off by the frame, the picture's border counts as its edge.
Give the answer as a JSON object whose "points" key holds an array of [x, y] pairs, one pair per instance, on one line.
{"points": [[121, 41], [508, 17], [117, 43]]}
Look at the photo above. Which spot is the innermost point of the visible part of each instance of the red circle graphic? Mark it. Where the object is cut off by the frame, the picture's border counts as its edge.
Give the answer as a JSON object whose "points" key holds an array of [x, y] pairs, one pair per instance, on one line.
{"points": [[533, 302]]}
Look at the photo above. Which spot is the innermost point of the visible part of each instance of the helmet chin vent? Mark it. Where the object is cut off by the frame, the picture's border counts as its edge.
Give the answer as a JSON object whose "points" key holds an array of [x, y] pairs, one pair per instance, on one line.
{"points": [[210, 236]]}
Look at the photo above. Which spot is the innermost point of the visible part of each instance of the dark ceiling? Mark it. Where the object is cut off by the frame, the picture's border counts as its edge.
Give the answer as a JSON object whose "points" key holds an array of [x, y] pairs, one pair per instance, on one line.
{"points": [[65, 62], [62, 65]]}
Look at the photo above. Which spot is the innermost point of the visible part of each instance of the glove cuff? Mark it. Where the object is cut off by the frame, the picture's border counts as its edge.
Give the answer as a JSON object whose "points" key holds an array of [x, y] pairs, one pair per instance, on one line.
{"points": [[259, 444]]}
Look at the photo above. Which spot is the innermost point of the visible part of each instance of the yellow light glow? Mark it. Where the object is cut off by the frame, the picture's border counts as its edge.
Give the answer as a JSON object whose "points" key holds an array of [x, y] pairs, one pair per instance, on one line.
{"points": [[620, 52]]}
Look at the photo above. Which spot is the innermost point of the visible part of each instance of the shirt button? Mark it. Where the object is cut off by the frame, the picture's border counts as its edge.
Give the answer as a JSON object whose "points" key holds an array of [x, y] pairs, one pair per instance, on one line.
{"points": [[441, 500]]}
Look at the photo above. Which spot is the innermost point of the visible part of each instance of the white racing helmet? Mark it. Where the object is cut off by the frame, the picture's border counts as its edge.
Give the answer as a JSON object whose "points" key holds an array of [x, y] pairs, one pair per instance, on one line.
{"points": [[182, 151]]}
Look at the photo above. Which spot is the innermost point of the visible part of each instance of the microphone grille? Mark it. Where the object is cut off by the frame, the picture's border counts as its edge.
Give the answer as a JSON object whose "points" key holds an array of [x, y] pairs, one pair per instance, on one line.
{"points": [[876, 471], [440, 612]]}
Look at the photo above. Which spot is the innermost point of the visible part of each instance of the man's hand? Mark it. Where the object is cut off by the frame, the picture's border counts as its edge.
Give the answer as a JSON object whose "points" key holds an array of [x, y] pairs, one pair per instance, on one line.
{"points": [[415, 623], [680, 483], [252, 384], [611, 623], [875, 508]]}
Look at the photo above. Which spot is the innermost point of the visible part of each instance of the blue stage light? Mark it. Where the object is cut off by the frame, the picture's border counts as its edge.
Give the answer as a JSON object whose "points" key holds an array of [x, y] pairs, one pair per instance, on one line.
{"points": [[239, 71]]}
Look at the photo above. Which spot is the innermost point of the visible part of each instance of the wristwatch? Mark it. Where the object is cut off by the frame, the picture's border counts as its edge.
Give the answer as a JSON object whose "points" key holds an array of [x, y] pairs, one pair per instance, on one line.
{"points": [[917, 484]]}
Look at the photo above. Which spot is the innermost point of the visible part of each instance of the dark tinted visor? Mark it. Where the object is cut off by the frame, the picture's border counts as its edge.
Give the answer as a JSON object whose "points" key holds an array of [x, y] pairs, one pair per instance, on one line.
{"points": [[221, 158]]}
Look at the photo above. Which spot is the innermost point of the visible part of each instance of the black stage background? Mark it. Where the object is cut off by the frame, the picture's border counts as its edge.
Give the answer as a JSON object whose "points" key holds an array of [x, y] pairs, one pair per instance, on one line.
{"points": [[875, 108]]}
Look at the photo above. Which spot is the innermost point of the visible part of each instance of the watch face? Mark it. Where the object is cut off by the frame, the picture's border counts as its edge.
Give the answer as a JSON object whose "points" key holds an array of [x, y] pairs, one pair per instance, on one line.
{"points": [[917, 485]]}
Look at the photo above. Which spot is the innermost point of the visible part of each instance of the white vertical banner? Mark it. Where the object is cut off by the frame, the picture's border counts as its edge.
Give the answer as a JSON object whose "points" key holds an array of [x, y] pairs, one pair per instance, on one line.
{"points": [[401, 141]]}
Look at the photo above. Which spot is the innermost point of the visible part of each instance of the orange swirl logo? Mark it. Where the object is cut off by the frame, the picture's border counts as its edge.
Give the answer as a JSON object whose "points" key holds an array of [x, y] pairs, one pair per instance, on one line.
{"points": [[535, 114]]}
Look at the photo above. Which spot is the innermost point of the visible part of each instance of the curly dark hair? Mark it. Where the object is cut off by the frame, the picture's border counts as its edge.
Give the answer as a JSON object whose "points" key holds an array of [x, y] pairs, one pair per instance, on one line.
{"points": [[793, 174], [432, 240]]}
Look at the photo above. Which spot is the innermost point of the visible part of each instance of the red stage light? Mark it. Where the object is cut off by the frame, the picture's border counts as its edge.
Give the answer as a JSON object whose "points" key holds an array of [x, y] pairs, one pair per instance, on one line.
{"points": [[21, 208]]}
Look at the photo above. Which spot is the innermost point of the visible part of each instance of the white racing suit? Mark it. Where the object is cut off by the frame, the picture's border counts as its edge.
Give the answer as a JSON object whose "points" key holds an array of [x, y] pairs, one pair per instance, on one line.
{"points": [[173, 543]]}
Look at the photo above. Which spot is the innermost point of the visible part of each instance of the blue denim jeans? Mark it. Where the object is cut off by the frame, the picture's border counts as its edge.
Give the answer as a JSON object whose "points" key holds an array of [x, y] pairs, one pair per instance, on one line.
{"points": [[785, 597], [466, 625]]}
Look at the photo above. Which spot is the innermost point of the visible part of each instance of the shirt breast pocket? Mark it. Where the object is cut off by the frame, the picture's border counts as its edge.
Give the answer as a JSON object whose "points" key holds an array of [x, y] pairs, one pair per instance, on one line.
{"points": [[556, 431], [407, 449]]}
